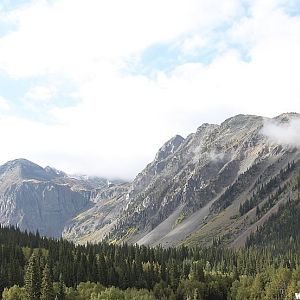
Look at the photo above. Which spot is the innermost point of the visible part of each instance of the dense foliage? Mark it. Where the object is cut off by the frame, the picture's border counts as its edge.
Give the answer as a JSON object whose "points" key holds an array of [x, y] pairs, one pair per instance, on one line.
{"points": [[267, 190], [30, 265], [240, 185], [280, 233], [37, 268]]}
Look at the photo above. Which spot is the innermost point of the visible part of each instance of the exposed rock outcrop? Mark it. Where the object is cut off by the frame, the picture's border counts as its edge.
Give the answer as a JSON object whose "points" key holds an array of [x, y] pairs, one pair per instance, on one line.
{"points": [[181, 193]]}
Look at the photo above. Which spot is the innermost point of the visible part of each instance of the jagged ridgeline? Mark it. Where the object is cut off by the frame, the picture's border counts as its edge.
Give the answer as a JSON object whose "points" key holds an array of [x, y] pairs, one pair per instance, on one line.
{"points": [[221, 181], [224, 180]]}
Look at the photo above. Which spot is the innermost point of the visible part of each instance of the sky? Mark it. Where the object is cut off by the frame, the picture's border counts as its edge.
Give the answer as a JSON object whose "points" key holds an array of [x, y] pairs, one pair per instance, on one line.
{"points": [[96, 87]]}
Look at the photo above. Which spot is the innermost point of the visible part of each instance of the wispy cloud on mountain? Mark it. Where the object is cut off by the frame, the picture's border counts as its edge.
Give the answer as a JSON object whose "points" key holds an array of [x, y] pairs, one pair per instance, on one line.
{"points": [[284, 133]]}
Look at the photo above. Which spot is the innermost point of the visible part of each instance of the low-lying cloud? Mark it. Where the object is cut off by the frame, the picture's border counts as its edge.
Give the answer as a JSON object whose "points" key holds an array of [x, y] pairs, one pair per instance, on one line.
{"points": [[286, 133]]}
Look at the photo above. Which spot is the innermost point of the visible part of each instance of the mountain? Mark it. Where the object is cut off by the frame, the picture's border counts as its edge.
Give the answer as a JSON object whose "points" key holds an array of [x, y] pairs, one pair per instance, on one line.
{"points": [[43, 199], [220, 182]]}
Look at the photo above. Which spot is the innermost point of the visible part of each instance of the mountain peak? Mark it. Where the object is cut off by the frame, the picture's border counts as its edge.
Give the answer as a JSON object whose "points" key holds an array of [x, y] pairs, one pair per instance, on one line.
{"points": [[286, 117], [20, 161], [169, 147], [22, 168], [241, 118], [206, 127]]}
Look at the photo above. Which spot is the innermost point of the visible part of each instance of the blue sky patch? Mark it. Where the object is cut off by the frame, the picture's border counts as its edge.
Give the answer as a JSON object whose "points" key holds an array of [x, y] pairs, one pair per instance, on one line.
{"points": [[166, 57], [292, 7], [15, 90]]}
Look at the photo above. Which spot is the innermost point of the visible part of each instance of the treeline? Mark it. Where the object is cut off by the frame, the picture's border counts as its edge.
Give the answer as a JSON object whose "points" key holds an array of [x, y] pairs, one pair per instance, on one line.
{"points": [[34, 268], [264, 190], [38, 268], [281, 232], [240, 185]]}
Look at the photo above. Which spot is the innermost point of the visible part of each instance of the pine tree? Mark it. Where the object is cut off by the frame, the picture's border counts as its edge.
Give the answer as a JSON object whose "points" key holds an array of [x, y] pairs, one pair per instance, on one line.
{"points": [[47, 292], [174, 275], [257, 210], [102, 270], [198, 269], [61, 289], [163, 271], [32, 279], [298, 186], [196, 294]]}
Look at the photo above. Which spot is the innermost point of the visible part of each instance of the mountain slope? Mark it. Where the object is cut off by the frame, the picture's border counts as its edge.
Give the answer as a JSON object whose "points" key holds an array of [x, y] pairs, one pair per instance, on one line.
{"points": [[193, 189], [223, 181], [281, 230]]}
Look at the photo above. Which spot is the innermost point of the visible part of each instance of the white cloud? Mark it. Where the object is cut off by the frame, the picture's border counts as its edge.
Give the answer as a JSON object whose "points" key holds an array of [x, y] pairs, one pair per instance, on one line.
{"points": [[4, 105], [284, 133], [40, 93], [74, 37], [192, 44], [122, 119]]}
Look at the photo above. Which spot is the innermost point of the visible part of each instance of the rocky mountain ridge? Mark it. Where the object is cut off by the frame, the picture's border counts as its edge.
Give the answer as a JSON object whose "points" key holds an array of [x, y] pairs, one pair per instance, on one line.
{"points": [[220, 182], [178, 198]]}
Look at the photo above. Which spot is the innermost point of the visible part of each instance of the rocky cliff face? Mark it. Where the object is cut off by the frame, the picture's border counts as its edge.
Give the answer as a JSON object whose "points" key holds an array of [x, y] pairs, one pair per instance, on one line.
{"points": [[40, 199], [193, 189]]}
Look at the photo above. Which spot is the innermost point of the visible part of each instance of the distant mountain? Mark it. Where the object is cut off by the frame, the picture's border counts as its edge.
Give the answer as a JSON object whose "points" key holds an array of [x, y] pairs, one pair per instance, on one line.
{"points": [[43, 199], [22, 169], [222, 181], [97, 182]]}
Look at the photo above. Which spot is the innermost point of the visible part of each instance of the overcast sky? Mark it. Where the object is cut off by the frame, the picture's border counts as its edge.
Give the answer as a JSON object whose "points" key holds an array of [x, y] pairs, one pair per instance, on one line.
{"points": [[96, 87]]}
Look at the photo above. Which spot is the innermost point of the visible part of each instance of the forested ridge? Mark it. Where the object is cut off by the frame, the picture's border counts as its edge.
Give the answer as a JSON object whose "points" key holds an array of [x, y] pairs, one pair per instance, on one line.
{"points": [[37, 268]]}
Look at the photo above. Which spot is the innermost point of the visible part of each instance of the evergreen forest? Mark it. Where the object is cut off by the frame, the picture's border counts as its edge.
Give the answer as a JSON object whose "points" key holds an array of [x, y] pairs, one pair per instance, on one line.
{"points": [[268, 267]]}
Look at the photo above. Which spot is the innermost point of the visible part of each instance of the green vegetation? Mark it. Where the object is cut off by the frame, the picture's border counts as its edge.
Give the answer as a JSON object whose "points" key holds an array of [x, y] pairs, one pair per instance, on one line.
{"points": [[265, 190], [180, 219], [281, 232], [240, 185], [104, 271], [36, 268]]}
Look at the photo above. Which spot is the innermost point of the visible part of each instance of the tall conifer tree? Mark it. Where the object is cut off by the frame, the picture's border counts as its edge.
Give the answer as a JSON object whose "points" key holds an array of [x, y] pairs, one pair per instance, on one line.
{"points": [[32, 279], [47, 292]]}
